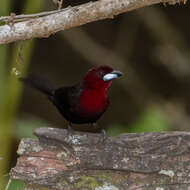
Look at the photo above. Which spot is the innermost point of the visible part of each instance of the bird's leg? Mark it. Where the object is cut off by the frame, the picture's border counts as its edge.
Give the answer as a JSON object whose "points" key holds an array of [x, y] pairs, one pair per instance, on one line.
{"points": [[104, 136], [69, 131], [95, 125], [103, 132]]}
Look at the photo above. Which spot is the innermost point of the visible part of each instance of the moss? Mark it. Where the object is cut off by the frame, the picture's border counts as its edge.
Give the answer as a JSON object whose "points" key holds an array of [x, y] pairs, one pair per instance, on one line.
{"points": [[96, 179], [87, 183], [62, 183], [137, 182], [162, 181], [91, 180]]}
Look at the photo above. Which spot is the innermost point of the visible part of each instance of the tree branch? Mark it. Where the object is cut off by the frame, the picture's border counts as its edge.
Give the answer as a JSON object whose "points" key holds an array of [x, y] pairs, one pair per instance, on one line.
{"points": [[23, 17], [143, 161], [70, 17]]}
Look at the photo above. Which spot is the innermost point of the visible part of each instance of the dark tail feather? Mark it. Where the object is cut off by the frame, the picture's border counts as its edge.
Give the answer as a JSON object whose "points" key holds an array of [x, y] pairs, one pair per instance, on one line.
{"points": [[40, 84]]}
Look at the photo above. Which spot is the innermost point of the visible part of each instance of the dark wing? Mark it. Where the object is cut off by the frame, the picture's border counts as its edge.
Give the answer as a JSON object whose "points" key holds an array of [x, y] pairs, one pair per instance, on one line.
{"points": [[66, 100], [65, 97]]}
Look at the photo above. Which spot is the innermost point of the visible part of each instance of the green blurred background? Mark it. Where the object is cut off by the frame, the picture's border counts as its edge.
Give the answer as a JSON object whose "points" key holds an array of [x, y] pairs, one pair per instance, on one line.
{"points": [[150, 46]]}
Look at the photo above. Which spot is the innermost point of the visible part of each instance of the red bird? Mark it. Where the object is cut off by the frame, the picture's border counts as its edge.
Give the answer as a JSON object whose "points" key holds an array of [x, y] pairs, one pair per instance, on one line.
{"points": [[84, 102]]}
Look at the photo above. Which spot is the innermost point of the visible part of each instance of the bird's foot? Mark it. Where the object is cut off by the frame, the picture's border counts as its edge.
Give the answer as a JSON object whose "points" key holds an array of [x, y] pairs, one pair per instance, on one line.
{"points": [[94, 125], [69, 133], [104, 136], [103, 133]]}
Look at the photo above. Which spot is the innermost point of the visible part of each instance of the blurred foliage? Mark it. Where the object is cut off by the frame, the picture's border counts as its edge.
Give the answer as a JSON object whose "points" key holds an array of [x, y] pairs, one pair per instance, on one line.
{"points": [[151, 47], [4, 10], [14, 185], [152, 120], [20, 130], [11, 91]]}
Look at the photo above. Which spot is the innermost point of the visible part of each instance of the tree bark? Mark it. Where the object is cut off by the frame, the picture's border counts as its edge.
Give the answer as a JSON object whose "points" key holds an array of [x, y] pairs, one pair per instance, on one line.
{"points": [[143, 161], [43, 25]]}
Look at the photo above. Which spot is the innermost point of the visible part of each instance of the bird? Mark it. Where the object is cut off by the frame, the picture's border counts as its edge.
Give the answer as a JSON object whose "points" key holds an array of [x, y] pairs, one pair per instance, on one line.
{"points": [[82, 103]]}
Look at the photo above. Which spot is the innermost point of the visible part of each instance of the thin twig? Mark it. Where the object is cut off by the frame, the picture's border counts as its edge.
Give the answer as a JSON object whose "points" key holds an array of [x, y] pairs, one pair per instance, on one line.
{"points": [[23, 17], [8, 184]]}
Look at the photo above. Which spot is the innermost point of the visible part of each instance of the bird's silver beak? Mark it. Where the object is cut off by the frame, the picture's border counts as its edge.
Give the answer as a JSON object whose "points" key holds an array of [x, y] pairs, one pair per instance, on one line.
{"points": [[114, 74]]}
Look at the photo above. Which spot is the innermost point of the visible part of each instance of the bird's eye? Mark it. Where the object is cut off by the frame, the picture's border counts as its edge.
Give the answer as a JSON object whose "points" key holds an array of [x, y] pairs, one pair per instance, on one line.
{"points": [[101, 73]]}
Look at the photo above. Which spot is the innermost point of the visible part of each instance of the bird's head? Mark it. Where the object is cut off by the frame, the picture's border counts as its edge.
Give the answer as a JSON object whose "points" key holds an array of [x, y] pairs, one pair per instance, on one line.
{"points": [[100, 77]]}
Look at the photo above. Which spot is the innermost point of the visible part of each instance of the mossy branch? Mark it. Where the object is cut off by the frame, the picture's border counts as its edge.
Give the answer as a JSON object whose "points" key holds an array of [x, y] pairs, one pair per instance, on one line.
{"points": [[130, 161]]}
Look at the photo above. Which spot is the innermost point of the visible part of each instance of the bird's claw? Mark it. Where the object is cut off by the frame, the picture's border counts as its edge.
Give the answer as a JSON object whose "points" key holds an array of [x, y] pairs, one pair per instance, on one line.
{"points": [[104, 136], [70, 137], [69, 133]]}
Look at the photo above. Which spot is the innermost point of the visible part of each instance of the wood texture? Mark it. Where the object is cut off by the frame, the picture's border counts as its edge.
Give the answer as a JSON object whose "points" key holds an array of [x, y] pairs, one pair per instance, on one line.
{"points": [[44, 25], [144, 161]]}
